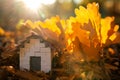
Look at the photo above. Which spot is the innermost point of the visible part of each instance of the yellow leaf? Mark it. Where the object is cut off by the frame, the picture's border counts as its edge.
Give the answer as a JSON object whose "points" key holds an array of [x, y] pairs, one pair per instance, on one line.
{"points": [[105, 27], [116, 28], [113, 36], [83, 35], [20, 24], [30, 24], [82, 15], [2, 32], [93, 11], [95, 17]]}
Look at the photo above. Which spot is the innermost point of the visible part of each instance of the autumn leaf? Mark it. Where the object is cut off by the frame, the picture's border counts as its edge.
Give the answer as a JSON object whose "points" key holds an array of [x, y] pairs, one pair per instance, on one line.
{"points": [[51, 24], [2, 32], [82, 15], [105, 27], [30, 24], [87, 29], [83, 35]]}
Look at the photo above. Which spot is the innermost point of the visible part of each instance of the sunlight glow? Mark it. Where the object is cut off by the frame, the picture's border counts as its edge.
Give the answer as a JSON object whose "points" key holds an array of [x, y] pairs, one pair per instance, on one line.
{"points": [[35, 4], [77, 1]]}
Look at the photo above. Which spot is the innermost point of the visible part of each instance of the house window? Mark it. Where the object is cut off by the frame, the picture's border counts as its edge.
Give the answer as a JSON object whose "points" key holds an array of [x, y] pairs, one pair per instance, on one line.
{"points": [[35, 63]]}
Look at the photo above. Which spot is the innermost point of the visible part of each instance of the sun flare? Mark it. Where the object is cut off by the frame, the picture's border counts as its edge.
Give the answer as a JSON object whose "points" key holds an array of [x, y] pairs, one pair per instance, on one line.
{"points": [[35, 4], [32, 4]]}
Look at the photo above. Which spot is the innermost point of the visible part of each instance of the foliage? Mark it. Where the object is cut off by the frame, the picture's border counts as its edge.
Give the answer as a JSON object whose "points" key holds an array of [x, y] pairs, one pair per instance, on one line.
{"points": [[82, 37], [1, 31]]}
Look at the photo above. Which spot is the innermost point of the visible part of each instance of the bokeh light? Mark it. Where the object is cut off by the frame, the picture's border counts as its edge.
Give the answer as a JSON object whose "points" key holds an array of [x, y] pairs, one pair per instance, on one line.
{"points": [[77, 1], [35, 4]]}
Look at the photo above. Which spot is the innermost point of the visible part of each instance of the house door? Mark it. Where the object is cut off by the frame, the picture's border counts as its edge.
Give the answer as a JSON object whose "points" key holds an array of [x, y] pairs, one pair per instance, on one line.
{"points": [[35, 63]]}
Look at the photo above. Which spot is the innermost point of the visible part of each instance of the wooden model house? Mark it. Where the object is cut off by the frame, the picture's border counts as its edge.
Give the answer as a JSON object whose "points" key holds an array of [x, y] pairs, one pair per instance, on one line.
{"points": [[35, 55]]}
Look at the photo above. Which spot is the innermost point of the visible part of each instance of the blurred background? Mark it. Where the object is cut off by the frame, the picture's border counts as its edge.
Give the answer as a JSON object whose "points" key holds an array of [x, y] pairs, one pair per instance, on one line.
{"points": [[12, 11]]}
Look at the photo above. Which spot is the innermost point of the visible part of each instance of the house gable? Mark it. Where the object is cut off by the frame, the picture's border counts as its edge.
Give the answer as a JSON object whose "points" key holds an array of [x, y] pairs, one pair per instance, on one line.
{"points": [[36, 49]]}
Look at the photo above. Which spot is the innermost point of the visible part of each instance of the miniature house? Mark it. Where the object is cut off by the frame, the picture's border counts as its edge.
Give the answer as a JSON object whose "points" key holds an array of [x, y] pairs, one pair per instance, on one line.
{"points": [[35, 56]]}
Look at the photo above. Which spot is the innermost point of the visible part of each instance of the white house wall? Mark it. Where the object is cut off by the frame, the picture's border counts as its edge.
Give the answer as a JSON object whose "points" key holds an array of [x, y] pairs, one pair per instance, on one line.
{"points": [[21, 57], [35, 48]]}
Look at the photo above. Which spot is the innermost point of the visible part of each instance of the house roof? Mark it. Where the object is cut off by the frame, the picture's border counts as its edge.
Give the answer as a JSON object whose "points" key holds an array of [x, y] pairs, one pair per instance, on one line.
{"points": [[32, 36]]}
